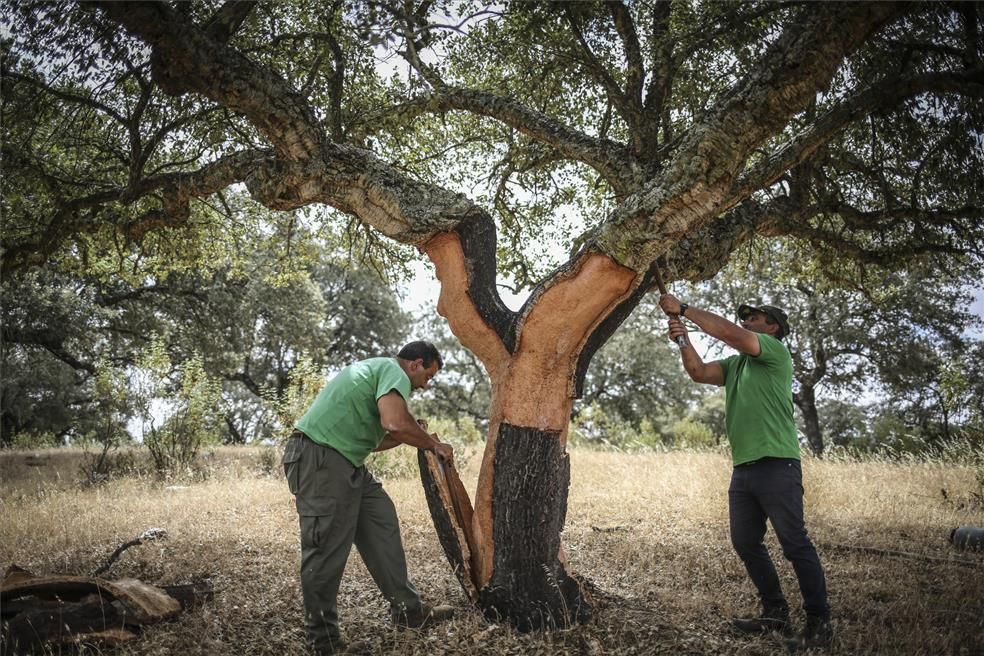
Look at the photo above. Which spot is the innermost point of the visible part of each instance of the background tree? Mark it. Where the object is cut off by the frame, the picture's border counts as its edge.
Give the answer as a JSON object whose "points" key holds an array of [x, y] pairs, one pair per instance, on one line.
{"points": [[861, 333], [248, 318], [679, 131]]}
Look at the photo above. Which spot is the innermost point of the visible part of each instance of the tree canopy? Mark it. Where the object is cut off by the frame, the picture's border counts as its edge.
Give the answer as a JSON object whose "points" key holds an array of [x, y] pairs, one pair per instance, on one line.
{"points": [[677, 129], [641, 133]]}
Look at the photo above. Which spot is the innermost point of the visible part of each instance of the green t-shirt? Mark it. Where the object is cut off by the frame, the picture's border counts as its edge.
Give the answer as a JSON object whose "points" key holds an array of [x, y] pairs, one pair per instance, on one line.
{"points": [[759, 403], [345, 416]]}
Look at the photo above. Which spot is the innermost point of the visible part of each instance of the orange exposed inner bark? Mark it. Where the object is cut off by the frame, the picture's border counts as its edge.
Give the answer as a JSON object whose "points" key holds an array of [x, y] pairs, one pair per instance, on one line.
{"points": [[445, 252], [539, 390], [534, 386]]}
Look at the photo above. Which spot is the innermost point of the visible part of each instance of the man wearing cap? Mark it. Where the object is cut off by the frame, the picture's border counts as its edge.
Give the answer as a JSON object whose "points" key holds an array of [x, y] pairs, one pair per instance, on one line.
{"points": [[361, 410], [767, 481]]}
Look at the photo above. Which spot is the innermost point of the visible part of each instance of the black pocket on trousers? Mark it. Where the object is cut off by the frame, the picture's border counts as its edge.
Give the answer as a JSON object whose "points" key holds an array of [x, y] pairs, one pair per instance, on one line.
{"points": [[292, 462]]}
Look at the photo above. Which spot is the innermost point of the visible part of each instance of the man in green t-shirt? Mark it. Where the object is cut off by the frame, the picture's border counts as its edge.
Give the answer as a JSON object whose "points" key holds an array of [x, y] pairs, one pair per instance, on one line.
{"points": [[339, 503], [767, 482]]}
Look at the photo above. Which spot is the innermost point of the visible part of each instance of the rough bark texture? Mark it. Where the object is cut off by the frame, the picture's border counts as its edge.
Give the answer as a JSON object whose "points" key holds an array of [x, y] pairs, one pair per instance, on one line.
{"points": [[530, 586], [36, 628], [478, 246], [451, 513], [52, 610]]}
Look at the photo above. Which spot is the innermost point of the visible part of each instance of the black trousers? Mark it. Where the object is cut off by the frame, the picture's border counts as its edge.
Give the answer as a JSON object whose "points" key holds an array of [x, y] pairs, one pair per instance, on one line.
{"points": [[772, 488]]}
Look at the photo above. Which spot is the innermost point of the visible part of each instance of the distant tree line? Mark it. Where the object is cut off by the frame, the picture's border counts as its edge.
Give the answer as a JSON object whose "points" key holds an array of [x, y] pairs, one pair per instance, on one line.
{"points": [[239, 325], [882, 360]]}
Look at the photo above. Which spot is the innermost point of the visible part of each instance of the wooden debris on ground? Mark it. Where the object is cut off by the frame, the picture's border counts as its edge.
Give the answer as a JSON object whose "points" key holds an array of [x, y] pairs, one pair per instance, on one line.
{"points": [[60, 609]]}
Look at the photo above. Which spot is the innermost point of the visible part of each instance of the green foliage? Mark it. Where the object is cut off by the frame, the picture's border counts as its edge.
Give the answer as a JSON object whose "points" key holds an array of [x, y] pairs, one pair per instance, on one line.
{"points": [[637, 374], [28, 440], [87, 138], [396, 463], [596, 428], [305, 380], [845, 423], [692, 434], [864, 332], [108, 431], [190, 414], [261, 300], [460, 391]]}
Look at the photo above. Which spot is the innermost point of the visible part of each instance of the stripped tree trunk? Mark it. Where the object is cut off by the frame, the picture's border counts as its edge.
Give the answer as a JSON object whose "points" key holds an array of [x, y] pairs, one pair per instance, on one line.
{"points": [[507, 549]]}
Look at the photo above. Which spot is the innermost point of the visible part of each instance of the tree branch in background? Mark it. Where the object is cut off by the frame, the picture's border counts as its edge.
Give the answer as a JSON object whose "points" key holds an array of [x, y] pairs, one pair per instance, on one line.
{"points": [[609, 158], [228, 19], [879, 97]]}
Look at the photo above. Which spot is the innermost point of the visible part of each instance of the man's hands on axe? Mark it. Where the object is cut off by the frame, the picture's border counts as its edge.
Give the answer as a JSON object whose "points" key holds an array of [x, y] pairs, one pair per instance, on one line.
{"points": [[670, 304]]}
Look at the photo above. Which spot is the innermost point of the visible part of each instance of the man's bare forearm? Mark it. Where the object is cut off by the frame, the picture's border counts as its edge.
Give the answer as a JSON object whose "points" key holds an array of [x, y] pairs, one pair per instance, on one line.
{"points": [[714, 325], [414, 435], [388, 443]]}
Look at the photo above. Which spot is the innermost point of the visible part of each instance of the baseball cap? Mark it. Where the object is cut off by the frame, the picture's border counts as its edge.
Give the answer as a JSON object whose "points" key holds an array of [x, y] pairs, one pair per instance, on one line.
{"points": [[775, 313]]}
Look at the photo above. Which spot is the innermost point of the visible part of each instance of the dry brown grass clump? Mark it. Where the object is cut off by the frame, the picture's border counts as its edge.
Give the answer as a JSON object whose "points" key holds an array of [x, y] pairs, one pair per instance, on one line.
{"points": [[649, 531]]}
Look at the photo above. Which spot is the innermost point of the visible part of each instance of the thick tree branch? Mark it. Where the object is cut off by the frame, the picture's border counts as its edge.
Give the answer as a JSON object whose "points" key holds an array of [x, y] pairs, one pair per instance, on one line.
{"points": [[175, 190], [185, 59], [798, 65], [882, 96], [228, 19], [635, 71], [337, 79], [62, 94], [609, 158], [50, 339], [696, 187], [919, 232], [590, 60], [663, 66], [622, 102]]}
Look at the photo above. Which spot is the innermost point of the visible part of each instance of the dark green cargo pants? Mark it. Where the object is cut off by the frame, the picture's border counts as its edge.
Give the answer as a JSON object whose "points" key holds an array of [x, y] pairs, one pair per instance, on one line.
{"points": [[339, 504]]}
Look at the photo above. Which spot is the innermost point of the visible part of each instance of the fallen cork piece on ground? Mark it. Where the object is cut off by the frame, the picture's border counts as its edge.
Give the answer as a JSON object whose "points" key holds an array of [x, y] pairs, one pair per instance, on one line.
{"points": [[62, 609]]}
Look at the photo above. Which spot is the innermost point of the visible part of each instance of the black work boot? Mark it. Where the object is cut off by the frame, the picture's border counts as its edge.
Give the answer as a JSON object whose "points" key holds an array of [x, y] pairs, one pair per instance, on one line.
{"points": [[773, 618], [818, 633]]}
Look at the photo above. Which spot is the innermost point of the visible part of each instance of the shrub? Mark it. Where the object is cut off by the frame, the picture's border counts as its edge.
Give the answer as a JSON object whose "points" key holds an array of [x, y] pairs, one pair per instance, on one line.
{"points": [[30, 440], [693, 434], [112, 409], [304, 382], [191, 418], [268, 461]]}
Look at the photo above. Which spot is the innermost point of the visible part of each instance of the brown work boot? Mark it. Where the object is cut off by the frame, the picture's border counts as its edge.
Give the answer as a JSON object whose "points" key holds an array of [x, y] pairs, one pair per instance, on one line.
{"points": [[426, 616], [817, 634], [772, 619]]}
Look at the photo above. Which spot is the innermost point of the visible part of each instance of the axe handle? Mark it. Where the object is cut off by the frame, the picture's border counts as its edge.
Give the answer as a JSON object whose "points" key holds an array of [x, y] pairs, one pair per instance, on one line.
{"points": [[680, 340]]}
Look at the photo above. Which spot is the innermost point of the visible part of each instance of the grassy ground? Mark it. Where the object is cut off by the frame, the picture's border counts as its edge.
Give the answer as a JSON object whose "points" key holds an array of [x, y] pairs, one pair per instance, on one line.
{"points": [[650, 531]]}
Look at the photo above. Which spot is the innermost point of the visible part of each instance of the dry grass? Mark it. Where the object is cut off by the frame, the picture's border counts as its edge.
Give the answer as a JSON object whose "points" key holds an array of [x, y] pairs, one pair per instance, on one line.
{"points": [[650, 531]]}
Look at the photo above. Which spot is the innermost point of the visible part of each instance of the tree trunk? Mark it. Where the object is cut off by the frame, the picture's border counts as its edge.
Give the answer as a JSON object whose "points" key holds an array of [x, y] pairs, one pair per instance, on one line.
{"points": [[506, 549], [806, 401], [519, 575]]}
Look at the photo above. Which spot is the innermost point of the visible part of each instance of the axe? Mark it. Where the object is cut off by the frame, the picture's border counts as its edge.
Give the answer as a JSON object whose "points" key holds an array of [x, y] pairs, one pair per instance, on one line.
{"points": [[680, 340]]}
